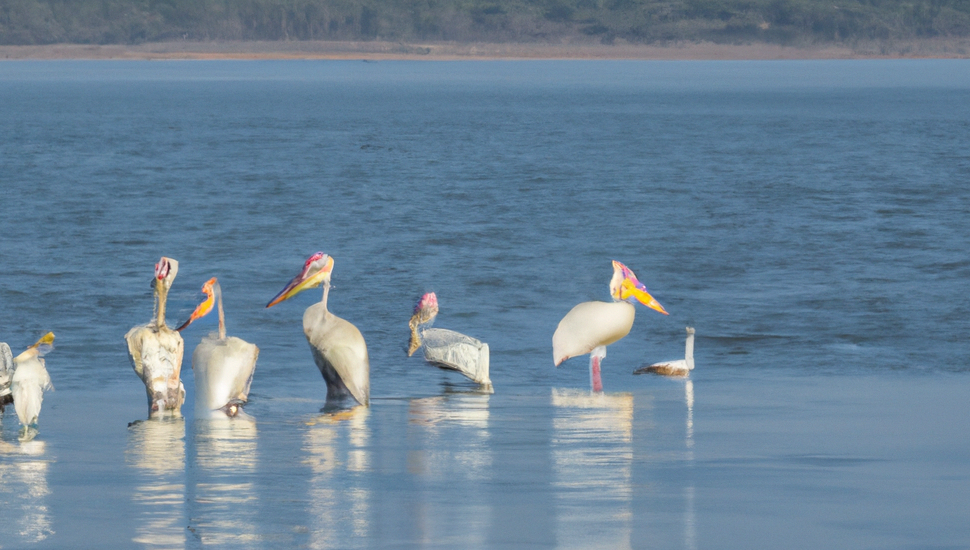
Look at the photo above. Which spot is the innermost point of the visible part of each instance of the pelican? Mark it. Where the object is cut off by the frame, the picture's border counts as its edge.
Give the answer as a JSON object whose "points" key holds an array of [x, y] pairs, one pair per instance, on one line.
{"points": [[30, 380], [6, 372], [681, 367], [156, 351], [338, 347], [591, 326], [447, 349], [223, 366]]}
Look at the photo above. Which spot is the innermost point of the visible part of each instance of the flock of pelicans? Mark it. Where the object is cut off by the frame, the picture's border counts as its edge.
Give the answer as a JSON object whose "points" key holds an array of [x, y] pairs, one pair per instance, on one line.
{"points": [[223, 365]]}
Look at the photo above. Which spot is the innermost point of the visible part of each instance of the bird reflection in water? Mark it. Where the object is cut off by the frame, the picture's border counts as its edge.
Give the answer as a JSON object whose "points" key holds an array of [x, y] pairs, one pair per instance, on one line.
{"points": [[690, 525], [450, 441], [156, 450], [592, 448], [337, 450], [23, 487], [225, 511]]}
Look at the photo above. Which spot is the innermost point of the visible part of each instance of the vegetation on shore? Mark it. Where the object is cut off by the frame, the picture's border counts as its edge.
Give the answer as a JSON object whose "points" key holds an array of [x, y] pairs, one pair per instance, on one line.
{"points": [[637, 21]]}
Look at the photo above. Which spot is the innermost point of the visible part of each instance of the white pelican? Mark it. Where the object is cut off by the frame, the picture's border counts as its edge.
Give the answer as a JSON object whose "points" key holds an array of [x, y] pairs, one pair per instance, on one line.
{"points": [[223, 366], [447, 349], [156, 350], [591, 326], [30, 380], [681, 367], [6, 372], [338, 347]]}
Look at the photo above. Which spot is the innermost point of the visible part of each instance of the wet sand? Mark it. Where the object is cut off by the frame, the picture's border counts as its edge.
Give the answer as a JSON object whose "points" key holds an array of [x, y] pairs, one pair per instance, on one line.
{"points": [[445, 51]]}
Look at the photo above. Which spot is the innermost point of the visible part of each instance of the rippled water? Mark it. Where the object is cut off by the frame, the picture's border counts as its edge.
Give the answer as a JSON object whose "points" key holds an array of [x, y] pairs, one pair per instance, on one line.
{"points": [[808, 218]]}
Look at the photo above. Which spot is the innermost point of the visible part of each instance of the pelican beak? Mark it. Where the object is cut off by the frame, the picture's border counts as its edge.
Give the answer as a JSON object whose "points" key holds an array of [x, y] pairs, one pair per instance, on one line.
{"points": [[316, 270], [205, 307], [629, 287], [39, 349], [161, 268], [165, 269]]}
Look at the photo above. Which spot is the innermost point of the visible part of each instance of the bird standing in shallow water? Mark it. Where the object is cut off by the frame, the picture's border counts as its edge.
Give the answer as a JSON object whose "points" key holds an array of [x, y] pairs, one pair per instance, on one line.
{"points": [[156, 351], [30, 380], [338, 347], [223, 366], [681, 367], [447, 349], [591, 326]]}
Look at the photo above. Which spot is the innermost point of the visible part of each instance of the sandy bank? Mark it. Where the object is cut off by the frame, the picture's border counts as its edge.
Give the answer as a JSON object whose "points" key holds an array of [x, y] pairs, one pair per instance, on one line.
{"points": [[943, 48]]}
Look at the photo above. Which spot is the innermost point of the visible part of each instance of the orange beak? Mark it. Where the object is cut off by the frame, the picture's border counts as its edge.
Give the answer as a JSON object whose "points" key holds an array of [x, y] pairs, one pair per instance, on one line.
{"points": [[205, 307]]}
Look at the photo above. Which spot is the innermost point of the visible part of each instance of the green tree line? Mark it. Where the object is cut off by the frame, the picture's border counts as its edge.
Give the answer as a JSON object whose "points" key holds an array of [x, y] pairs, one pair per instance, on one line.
{"points": [[641, 21]]}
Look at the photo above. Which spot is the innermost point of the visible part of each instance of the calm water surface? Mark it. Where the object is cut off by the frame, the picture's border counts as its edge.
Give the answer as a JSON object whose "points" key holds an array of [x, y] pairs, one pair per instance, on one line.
{"points": [[810, 219]]}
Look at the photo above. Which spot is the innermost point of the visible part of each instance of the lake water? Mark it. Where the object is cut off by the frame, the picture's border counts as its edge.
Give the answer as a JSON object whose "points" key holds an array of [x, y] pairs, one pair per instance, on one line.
{"points": [[810, 219]]}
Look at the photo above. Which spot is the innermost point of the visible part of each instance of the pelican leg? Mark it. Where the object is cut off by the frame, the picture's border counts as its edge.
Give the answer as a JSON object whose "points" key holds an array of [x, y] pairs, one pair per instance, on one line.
{"points": [[595, 359]]}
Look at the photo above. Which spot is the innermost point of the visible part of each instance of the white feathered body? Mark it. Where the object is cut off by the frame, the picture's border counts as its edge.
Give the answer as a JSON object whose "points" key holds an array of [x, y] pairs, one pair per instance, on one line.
{"points": [[28, 384], [680, 367], [223, 369], [340, 353], [156, 355], [455, 351], [590, 325]]}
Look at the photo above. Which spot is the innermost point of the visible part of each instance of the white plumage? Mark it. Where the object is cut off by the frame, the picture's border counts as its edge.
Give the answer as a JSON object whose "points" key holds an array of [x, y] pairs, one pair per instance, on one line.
{"points": [[591, 326], [30, 380], [156, 351], [680, 367], [338, 348], [223, 366], [447, 349], [223, 369]]}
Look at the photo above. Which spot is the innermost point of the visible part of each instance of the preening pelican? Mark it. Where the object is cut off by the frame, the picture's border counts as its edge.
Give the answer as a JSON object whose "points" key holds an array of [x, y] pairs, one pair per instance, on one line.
{"points": [[447, 349], [681, 367], [223, 366], [156, 350], [591, 326], [30, 380], [6, 373], [338, 347]]}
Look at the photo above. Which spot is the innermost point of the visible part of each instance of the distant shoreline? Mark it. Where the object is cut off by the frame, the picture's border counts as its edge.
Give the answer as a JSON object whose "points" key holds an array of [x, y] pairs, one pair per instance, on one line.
{"points": [[443, 51]]}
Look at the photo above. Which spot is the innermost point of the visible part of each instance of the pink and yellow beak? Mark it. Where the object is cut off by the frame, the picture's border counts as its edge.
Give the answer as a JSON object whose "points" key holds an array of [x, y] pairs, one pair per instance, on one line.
{"points": [[315, 272], [625, 287], [205, 307]]}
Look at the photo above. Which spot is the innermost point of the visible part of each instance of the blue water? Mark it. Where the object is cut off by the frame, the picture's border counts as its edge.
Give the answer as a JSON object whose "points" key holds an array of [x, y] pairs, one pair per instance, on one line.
{"points": [[808, 218]]}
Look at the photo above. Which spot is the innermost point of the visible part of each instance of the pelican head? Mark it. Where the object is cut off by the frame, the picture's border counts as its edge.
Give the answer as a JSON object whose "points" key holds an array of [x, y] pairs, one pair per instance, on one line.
{"points": [[316, 271], [203, 309], [625, 287], [165, 271], [424, 312]]}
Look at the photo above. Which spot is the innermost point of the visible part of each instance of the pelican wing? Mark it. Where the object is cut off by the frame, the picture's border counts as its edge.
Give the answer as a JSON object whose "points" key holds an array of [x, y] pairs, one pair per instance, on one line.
{"points": [[340, 353], [155, 353], [156, 356], [30, 380], [223, 370], [589, 325], [455, 351]]}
